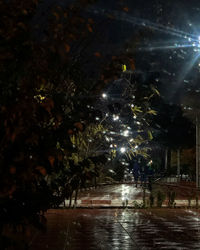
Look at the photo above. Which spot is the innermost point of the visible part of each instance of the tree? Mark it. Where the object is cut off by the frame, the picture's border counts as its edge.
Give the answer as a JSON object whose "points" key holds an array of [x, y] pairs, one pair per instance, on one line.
{"points": [[47, 109], [174, 130]]}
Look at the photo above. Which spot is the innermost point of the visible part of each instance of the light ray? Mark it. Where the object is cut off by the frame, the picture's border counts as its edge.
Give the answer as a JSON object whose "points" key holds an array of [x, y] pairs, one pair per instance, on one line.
{"points": [[143, 22], [167, 47], [187, 68]]}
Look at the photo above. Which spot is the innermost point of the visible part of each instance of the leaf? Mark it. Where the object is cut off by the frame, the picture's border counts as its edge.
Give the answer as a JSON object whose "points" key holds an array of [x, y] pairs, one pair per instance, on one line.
{"points": [[132, 64], [90, 20], [56, 15], [110, 16], [42, 170], [136, 109], [89, 27], [73, 139], [126, 9], [67, 48], [155, 90], [12, 170], [150, 135], [51, 160], [152, 112], [97, 54], [25, 12], [123, 67]]}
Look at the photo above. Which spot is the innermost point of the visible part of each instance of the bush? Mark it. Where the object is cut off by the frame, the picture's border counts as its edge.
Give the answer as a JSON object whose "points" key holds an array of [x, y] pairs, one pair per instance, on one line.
{"points": [[160, 198]]}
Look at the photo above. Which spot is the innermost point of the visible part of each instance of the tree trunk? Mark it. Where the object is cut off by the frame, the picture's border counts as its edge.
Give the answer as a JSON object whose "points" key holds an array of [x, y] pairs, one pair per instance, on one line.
{"points": [[166, 158], [76, 195], [70, 199], [197, 152], [178, 164]]}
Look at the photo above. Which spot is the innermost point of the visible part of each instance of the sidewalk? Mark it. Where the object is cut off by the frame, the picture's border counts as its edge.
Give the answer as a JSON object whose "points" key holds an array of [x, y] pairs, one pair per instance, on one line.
{"points": [[127, 195], [120, 229]]}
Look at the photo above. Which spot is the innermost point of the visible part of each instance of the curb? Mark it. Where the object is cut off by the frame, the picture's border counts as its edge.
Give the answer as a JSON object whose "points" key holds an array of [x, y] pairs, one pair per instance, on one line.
{"points": [[126, 203]]}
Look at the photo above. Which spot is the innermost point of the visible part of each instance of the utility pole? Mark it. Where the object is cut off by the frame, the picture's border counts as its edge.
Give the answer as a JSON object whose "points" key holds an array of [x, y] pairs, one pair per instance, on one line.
{"points": [[178, 164], [197, 152]]}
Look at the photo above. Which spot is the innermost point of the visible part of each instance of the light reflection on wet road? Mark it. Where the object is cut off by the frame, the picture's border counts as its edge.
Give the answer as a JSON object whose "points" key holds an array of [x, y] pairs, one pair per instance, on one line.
{"points": [[119, 229], [118, 191]]}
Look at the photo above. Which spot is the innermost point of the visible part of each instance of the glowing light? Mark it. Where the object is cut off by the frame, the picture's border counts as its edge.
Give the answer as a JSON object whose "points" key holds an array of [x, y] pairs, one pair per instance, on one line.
{"points": [[107, 139], [122, 150], [104, 95], [115, 117], [125, 133]]}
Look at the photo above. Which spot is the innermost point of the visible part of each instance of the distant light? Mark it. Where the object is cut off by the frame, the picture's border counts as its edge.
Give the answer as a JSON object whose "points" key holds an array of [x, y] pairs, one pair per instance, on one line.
{"points": [[122, 150], [111, 146], [125, 133], [115, 117], [131, 140], [107, 139], [97, 118], [136, 146], [104, 95]]}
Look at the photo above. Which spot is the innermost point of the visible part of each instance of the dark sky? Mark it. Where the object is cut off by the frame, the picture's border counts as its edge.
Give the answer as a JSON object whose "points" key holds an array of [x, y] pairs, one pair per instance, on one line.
{"points": [[164, 27]]}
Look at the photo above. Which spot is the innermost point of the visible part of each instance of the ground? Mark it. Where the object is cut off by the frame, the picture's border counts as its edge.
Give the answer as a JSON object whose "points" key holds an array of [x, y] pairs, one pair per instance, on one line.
{"points": [[120, 229]]}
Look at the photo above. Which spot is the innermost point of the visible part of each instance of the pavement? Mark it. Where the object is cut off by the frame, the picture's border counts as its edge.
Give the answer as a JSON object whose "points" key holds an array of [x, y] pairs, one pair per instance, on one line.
{"points": [[127, 195], [118, 195], [119, 229]]}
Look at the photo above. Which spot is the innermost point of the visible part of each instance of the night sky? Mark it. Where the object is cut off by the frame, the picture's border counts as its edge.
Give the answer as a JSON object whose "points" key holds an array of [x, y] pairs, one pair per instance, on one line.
{"points": [[166, 32]]}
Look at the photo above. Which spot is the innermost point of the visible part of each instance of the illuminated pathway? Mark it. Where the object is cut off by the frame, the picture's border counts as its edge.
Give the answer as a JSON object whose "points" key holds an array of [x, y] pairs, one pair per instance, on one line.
{"points": [[119, 229], [111, 195]]}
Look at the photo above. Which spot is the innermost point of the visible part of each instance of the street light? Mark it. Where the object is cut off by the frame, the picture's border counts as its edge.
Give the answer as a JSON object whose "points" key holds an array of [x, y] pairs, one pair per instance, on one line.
{"points": [[122, 150]]}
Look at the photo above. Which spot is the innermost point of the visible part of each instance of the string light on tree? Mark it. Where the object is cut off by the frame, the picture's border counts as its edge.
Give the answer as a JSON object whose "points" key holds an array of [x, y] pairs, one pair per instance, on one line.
{"points": [[122, 150]]}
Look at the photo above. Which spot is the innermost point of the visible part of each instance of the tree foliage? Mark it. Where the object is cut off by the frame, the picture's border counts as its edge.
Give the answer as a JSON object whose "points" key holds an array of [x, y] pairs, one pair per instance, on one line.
{"points": [[51, 142]]}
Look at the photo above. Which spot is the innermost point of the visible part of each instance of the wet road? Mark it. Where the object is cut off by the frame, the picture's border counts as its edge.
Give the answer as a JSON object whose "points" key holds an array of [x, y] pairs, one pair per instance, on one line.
{"points": [[118, 191], [110, 195], [120, 229]]}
